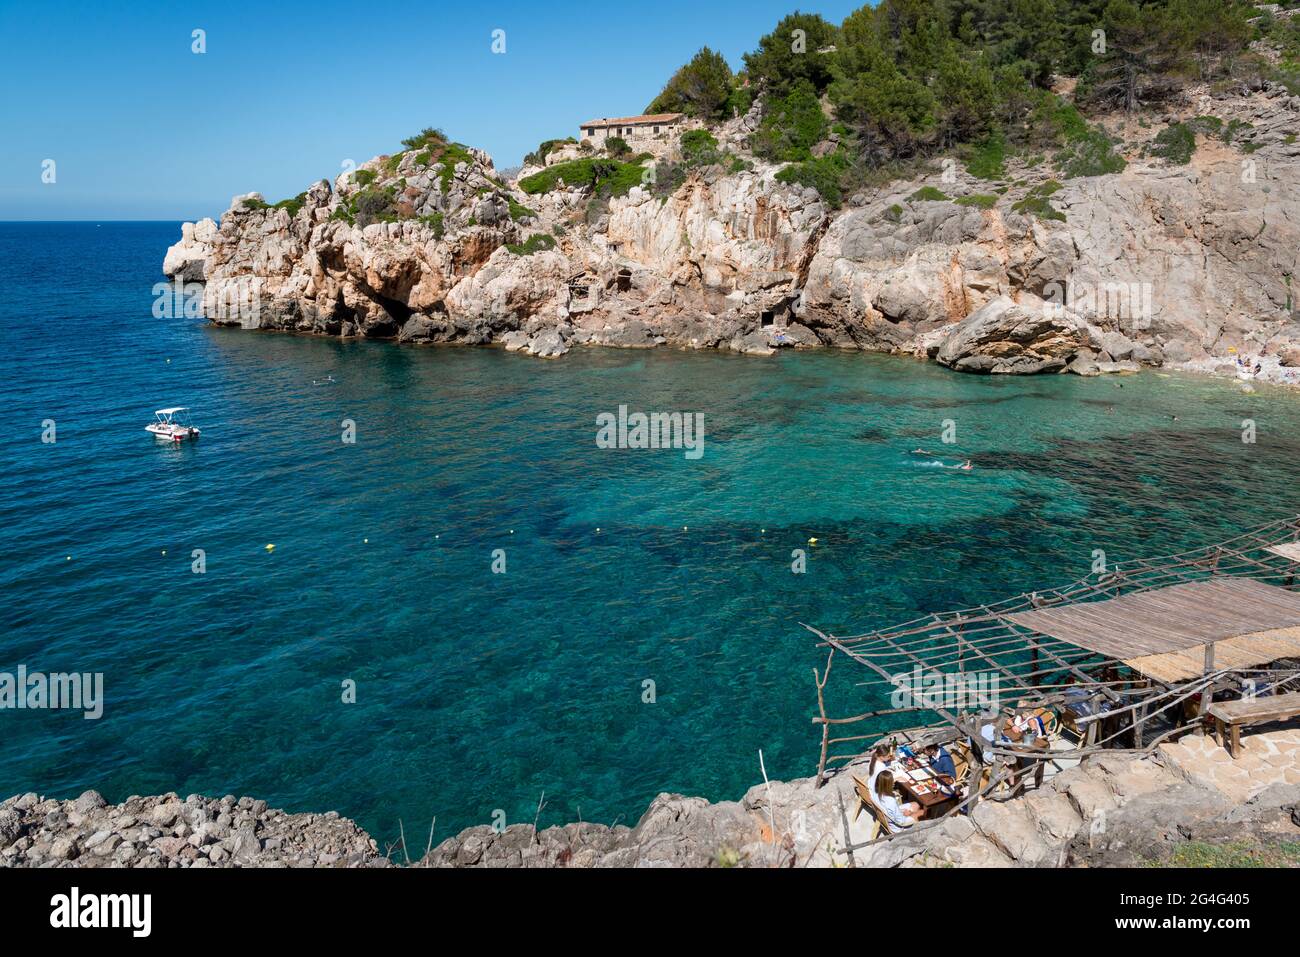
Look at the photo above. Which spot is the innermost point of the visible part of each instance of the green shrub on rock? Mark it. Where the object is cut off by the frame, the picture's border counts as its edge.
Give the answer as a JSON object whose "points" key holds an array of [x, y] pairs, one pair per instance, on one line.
{"points": [[1175, 144], [1036, 202], [822, 173], [989, 158], [928, 194], [603, 174], [533, 244], [791, 127]]}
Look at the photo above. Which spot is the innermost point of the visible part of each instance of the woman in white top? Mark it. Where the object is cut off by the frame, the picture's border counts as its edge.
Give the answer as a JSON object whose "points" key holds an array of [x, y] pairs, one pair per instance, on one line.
{"points": [[900, 813], [882, 759]]}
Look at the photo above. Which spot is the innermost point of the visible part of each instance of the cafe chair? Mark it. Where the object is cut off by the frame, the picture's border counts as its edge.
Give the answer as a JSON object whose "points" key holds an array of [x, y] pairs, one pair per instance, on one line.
{"points": [[880, 824]]}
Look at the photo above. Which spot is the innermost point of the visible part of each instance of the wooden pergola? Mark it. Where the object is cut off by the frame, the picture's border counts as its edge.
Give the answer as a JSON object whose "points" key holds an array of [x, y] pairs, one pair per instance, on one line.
{"points": [[1142, 645]]}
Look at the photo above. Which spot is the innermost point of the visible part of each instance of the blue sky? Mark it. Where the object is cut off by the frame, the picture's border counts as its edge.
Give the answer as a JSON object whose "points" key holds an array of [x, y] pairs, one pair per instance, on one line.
{"points": [[140, 127]]}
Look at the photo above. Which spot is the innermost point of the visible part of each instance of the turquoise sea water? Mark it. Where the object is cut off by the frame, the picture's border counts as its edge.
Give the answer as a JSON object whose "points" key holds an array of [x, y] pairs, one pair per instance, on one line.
{"points": [[478, 691]]}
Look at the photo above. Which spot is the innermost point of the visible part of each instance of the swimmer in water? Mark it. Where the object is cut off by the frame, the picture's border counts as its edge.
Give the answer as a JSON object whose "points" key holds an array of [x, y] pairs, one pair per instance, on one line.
{"points": [[921, 452]]}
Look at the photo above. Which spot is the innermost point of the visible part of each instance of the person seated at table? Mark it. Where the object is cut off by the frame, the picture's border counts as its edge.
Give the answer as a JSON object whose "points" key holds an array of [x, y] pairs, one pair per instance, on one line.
{"points": [[940, 760], [882, 758], [1027, 724], [891, 799]]}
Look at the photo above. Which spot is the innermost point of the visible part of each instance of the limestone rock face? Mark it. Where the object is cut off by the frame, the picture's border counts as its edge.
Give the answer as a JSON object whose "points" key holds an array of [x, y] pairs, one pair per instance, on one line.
{"points": [[743, 232], [1004, 337], [165, 832], [886, 274], [1156, 265], [188, 259]]}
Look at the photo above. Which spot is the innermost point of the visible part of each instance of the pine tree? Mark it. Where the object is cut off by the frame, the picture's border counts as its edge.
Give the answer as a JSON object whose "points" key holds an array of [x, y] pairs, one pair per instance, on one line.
{"points": [[1210, 30], [891, 114], [793, 52], [1139, 56], [700, 88]]}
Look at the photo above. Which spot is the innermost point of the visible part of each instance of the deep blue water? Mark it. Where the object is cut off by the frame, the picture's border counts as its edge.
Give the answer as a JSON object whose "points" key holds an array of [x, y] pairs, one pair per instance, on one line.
{"points": [[478, 691]]}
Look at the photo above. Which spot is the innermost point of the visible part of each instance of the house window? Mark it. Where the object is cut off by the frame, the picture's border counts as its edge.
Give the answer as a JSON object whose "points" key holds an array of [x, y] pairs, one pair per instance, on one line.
{"points": [[656, 129], [591, 132]]}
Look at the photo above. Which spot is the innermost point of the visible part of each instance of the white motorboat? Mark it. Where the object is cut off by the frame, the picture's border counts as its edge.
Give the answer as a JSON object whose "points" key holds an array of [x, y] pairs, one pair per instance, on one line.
{"points": [[172, 425]]}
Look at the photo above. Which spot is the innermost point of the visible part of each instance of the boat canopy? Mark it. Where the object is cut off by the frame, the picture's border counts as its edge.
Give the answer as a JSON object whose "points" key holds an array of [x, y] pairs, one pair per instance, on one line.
{"points": [[179, 408]]}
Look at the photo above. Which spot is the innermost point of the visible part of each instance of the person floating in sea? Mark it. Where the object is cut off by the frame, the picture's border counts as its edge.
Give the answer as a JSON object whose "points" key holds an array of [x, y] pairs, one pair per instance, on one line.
{"points": [[963, 467], [922, 452]]}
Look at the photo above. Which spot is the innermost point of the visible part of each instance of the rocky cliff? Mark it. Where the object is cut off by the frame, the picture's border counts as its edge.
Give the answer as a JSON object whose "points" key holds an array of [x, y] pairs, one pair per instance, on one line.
{"points": [[1161, 264], [1187, 803]]}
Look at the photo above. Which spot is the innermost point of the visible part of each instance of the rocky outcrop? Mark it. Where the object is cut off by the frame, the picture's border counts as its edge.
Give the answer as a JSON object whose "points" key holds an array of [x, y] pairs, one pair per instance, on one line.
{"points": [[1157, 265], [165, 831], [1156, 829], [188, 259], [1012, 338], [1115, 809]]}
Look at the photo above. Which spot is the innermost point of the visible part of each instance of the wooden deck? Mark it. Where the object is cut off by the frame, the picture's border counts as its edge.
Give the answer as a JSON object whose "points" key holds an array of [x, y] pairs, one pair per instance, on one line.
{"points": [[1287, 550], [1245, 651], [1175, 618], [1144, 638]]}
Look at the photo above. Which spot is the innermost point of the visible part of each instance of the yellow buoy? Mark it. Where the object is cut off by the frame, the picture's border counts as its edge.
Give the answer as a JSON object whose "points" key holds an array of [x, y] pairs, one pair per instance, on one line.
{"points": [[812, 541], [271, 547]]}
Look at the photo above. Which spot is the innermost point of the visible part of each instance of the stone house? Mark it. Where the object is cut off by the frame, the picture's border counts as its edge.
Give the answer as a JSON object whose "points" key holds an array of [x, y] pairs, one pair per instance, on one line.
{"points": [[653, 133]]}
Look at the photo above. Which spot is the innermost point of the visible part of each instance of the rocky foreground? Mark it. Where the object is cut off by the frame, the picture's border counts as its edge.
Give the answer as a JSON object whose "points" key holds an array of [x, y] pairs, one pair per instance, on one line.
{"points": [[1186, 266], [1186, 803]]}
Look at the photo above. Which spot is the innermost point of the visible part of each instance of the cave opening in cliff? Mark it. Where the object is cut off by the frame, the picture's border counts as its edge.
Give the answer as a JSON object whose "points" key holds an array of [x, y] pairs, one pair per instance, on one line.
{"points": [[768, 318], [398, 310]]}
